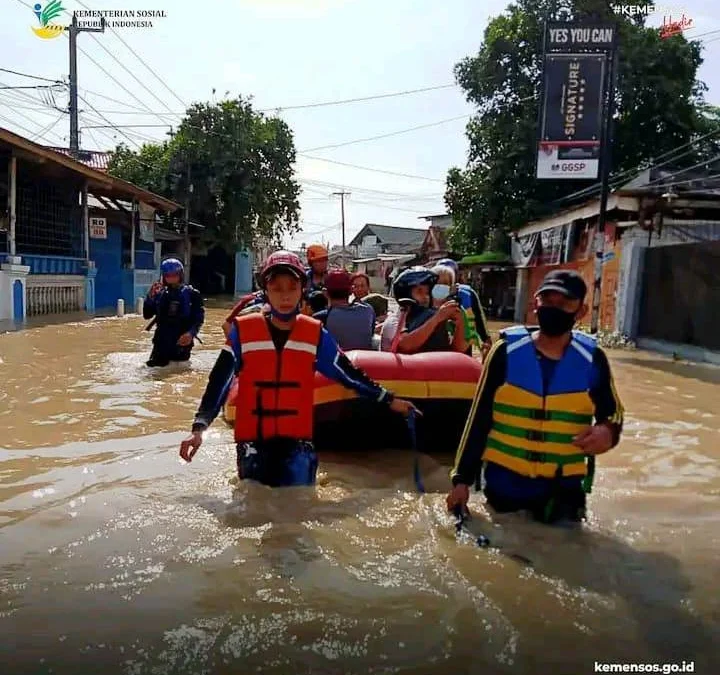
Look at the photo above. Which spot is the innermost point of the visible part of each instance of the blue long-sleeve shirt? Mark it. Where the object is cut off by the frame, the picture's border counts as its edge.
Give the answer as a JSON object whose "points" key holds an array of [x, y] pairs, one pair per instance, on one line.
{"points": [[330, 361]]}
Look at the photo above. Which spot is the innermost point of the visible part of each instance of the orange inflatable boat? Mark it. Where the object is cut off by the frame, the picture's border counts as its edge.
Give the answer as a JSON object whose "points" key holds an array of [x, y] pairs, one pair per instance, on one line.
{"points": [[440, 384]]}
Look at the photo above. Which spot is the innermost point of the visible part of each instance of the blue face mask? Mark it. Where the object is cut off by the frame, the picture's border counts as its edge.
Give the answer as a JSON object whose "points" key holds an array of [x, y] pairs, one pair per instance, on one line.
{"points": [[285, 317], [440, 291]]}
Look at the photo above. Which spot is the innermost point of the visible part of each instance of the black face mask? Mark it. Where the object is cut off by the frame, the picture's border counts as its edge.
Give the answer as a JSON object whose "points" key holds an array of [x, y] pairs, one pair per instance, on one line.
{"points": [[554, 321]]}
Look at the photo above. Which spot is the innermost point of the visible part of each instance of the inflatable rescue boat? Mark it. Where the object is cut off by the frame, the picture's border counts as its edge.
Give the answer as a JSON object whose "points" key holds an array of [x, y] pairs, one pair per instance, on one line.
{"points": [[440, 384]]}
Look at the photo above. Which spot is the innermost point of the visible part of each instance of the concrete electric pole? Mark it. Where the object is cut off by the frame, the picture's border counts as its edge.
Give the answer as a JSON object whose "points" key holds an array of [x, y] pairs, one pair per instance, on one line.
{"points": [[73, 31], [342, 196]]}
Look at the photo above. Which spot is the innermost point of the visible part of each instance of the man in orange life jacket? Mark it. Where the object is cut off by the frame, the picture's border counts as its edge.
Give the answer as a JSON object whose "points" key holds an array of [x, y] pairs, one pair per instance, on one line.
{"points": [[531, 421], [275, 356]]}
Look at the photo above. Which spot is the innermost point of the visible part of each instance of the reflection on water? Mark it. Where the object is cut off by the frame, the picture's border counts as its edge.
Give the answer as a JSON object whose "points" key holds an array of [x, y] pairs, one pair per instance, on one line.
{"points": [[116, 556]]}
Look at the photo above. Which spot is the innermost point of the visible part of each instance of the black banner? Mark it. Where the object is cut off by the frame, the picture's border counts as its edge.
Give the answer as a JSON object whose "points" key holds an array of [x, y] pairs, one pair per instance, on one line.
{"points": [[567, 37], [573, 98]]}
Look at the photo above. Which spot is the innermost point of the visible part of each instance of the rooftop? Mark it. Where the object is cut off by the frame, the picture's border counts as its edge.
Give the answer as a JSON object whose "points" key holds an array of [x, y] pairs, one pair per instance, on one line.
{"points": [[93, 158], [390, 235], [100, 184]]}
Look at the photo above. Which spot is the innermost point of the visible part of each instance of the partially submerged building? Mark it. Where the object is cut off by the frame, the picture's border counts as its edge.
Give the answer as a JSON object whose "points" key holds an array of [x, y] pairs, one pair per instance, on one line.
{"points": [[72, 237]]}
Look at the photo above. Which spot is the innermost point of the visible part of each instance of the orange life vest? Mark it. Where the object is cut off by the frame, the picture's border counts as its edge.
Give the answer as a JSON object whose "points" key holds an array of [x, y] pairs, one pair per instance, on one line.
{"points": [[275, 388]]}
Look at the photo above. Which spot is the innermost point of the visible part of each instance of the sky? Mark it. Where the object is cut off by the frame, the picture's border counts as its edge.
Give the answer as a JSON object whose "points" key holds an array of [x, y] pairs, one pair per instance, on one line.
{"points": [[287, 53]]}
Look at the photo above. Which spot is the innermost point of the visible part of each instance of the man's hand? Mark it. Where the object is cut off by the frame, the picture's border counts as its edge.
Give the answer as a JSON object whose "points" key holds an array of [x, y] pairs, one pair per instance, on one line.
{"points": [[449, 310], [595, 440], [185, 340], [155, 289], [400, 405], [485, 348], [190, 446], [459, 496]]}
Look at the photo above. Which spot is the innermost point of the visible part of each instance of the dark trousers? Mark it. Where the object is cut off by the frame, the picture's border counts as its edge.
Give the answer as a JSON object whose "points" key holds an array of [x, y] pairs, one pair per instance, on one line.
{"points": [[561, 505], [278, 464], [166, 349]]}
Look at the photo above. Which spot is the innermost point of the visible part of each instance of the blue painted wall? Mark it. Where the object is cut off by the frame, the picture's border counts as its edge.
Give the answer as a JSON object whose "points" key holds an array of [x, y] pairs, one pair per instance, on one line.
{"points": [[243, 272], [106, 253], [18, 301], [144, 255]]}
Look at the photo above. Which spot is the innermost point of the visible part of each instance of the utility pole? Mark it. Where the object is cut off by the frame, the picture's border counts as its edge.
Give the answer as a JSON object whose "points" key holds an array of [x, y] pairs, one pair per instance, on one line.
{"points": [[605, 161], [342, 194], [73, 31], [188, 192]]}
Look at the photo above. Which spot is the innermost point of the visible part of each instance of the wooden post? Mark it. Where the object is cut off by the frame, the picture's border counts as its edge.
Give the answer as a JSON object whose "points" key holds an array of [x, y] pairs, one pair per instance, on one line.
{"points": [[12, 204], [86, 220]]}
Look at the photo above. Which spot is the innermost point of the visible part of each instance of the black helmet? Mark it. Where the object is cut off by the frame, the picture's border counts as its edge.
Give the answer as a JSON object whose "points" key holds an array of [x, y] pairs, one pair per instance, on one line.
{"points": [[411, 277]]}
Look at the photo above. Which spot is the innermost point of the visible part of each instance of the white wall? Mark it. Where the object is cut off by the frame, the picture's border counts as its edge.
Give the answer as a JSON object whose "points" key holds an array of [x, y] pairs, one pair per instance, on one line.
{"points": [[6, 308]]}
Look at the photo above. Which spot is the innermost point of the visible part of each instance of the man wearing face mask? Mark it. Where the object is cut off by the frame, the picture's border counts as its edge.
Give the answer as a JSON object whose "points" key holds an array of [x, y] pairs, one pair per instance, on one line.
{"points": [[545, 406]]}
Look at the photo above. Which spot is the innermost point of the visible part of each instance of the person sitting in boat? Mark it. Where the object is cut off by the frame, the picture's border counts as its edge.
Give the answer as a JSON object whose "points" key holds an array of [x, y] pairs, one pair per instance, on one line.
{"points": [[476, 332], [275, 356], [531, 421], [380, 305], [178, 313], [360, 286], [317, 301], [317, 258], [352, 324], [422, 327]]}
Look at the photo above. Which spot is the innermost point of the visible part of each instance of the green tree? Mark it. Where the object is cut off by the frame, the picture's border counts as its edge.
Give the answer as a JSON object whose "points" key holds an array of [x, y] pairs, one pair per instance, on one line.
{"points": [[659, 106], [234, 164], [148, 167]]}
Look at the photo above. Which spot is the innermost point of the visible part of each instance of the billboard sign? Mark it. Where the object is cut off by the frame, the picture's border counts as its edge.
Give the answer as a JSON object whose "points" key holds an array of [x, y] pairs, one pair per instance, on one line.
{"points": [[569, 37], [572, 115]]}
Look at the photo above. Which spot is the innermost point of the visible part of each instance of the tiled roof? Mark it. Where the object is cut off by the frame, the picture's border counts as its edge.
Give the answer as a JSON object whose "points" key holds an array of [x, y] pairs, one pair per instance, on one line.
{"points": [[93, 158]]}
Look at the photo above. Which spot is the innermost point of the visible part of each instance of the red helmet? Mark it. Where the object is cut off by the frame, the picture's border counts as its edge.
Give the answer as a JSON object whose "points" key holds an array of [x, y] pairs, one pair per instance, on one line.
{"points": [[338, 281], [283, 261]]}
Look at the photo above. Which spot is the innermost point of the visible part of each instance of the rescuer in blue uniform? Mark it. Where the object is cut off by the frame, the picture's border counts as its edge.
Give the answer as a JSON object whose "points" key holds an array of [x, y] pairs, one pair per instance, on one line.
{"points": [[178, 312]]}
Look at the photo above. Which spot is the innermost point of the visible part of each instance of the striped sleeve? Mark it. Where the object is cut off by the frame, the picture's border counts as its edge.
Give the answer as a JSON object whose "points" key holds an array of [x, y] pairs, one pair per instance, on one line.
{"points": [[608, 406], [470, 450]]}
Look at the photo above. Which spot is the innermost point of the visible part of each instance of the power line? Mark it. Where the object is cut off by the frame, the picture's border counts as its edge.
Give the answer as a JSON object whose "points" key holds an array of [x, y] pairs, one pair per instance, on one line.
{"points": [[32, 77], [139, 58], [388, 135], [45, 130], [367, 168], [623, 176]]}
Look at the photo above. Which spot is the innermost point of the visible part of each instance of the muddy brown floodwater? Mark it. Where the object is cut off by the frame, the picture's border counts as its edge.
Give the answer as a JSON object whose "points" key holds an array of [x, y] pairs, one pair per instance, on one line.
{"points": [[115, 557]]}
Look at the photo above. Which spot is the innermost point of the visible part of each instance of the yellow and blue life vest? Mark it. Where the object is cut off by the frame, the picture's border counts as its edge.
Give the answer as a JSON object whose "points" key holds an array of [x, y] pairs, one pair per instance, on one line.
{"points": [[465, 300], [532, 429]]}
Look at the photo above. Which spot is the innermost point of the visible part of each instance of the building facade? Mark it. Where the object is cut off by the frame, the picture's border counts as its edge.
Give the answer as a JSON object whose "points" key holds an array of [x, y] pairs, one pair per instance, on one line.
{"points": [[658, 259], [72, 238]]}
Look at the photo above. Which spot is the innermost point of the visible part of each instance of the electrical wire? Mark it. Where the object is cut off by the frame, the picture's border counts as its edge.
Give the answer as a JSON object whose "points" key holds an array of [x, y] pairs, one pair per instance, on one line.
{"points": [[367, 168], [32, 77], [388, 135], [45, 130], [139, 58]]}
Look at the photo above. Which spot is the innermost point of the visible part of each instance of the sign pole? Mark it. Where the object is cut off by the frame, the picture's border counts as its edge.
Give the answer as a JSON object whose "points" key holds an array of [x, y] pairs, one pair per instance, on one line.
{"points": [[605, 162]]}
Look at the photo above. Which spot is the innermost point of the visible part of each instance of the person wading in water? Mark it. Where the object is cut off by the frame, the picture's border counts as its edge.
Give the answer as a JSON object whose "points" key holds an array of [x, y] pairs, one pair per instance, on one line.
{"points": [[531, 421]]}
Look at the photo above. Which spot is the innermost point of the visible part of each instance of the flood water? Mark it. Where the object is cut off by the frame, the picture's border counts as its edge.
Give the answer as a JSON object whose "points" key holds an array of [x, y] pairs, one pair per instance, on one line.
{"points": [[116, 557]]}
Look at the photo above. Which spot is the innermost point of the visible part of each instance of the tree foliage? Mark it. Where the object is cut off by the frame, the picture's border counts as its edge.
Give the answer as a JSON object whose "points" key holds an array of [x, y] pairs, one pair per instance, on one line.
{"points": [[659, 106], [233, 164]]}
